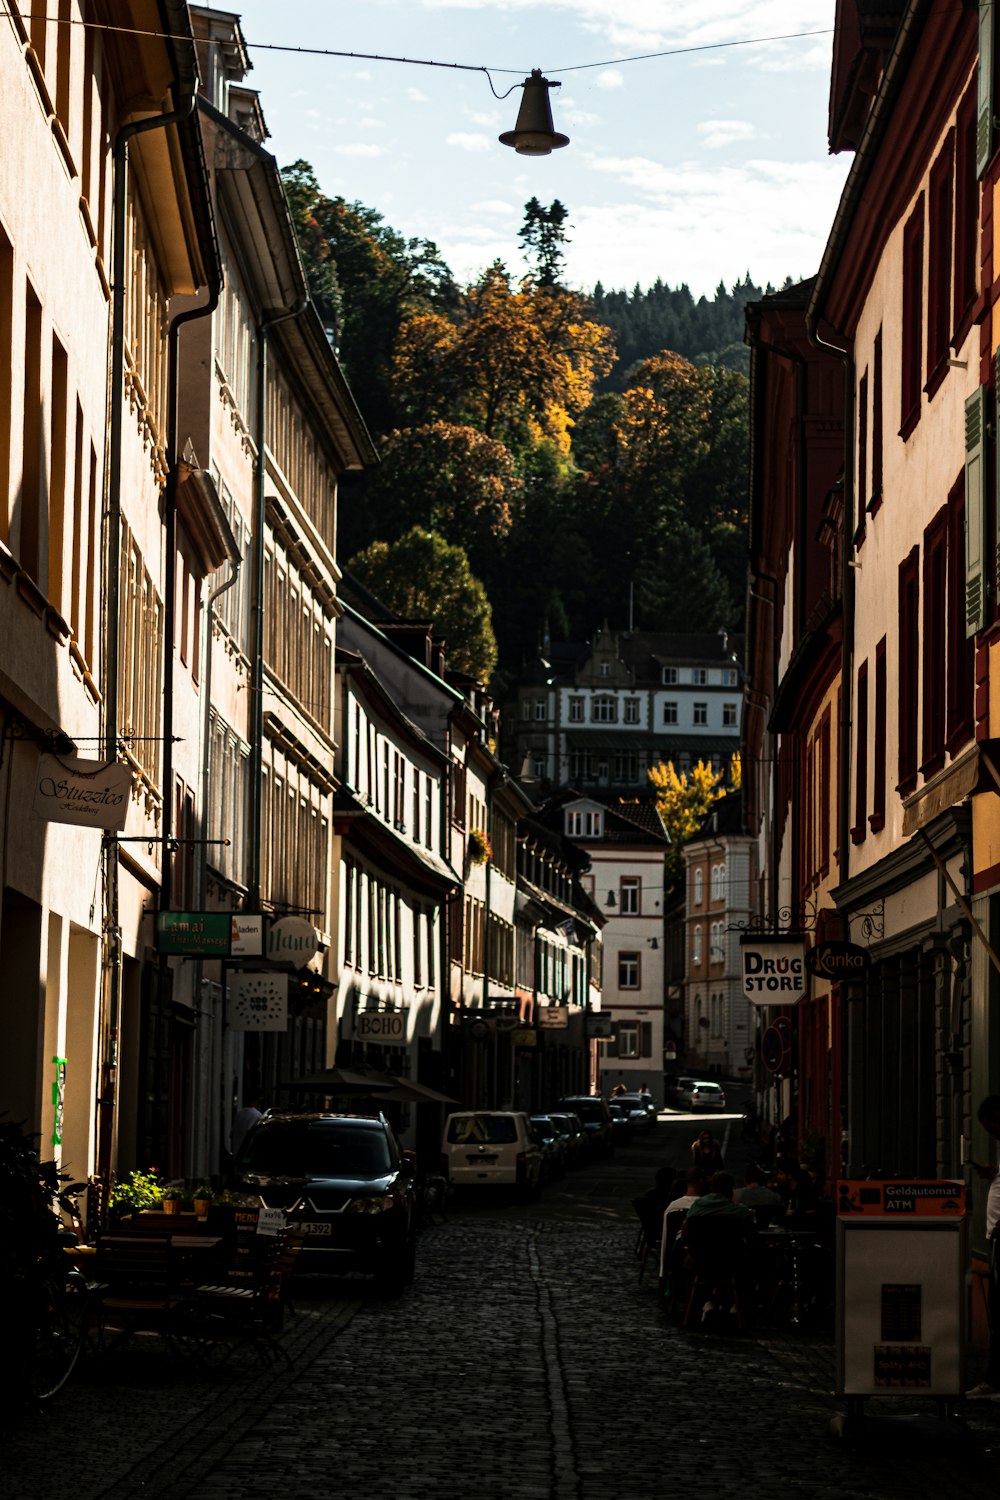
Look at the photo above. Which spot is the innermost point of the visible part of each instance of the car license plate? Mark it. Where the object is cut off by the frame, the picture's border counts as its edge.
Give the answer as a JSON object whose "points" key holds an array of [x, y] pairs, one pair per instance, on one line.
{"points": [[481, 1161], [317, 1231]]}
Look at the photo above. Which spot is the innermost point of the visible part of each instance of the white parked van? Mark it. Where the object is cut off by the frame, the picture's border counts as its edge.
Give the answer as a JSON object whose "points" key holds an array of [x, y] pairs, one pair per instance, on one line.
{"points": [[482, 1148]]}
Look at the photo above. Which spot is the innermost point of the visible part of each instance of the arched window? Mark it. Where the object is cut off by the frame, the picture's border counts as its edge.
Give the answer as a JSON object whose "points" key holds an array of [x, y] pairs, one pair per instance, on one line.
{"points": [[696, 944], [697, 887]]}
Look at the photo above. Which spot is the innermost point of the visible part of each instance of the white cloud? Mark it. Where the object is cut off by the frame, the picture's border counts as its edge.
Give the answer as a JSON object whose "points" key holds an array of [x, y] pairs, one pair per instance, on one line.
{"points": [[363, 74], [467, 141], [490, 118], [571, 115], [717, 133], [359, 148], [611, 78], [492, 206], [415, 96]]}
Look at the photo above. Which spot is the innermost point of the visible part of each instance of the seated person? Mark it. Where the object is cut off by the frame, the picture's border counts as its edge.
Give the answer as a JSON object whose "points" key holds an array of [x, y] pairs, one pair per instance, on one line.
{"points": [[719, 1235], [673, 1215], [763, 1202]]}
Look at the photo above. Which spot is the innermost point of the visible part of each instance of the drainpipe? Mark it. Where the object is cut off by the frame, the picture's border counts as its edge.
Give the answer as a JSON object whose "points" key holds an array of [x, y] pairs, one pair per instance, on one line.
{"points": [[256, 767], [190, 315], [107, 1140]]}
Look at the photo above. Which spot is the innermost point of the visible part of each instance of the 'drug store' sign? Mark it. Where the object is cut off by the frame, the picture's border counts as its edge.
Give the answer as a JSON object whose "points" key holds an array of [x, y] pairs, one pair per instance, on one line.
{"points": [[774, 971]]}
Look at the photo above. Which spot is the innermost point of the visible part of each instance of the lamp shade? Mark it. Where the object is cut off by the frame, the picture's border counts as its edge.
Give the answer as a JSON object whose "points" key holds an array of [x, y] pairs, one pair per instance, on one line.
{"points": [[534, 135]]}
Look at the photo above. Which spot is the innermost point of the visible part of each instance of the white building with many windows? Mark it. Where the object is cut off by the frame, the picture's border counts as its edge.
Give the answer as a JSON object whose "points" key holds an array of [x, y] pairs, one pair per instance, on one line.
{"points": [[719, 1020], [598, 716]]}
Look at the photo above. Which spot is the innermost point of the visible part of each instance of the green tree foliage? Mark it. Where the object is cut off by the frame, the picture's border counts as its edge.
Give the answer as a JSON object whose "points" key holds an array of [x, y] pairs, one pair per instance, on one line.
{"points": [[423, 577], [663, 317], [451, 480], [543, 239], [366, 277]]}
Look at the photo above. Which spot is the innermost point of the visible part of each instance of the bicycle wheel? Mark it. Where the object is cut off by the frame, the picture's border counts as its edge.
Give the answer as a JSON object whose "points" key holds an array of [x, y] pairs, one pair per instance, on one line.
{"points": [[59, 1338]]}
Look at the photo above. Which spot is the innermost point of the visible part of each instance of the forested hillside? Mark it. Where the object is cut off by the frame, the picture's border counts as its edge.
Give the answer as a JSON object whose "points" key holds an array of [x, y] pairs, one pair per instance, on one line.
{"points": [[548, 459]]}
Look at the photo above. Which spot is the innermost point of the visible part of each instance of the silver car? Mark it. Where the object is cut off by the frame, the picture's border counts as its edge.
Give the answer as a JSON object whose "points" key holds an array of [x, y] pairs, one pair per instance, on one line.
{"points": [[701, 1094]]}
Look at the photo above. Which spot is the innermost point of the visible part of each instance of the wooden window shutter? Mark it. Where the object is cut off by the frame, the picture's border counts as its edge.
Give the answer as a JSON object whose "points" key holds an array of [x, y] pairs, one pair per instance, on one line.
{"points": [[647, 1039], [975, 512], [984, 102]]}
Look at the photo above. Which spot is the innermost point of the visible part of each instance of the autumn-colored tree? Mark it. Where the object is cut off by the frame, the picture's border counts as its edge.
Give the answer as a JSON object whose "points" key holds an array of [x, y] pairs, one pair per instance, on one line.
{"points": [[448, 479], [423, 577], [518, 362], [683, 799]]}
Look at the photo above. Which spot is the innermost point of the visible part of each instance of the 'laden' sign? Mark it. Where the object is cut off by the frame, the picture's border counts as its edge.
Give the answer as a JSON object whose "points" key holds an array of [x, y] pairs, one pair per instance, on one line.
{"points": [[773, 970]]}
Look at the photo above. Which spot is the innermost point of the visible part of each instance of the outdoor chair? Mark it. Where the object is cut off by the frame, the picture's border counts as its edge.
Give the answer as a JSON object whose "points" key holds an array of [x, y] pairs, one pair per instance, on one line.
{"points": [[139, 1289], [647, 1241], [718, 1254], [249, 1311]]}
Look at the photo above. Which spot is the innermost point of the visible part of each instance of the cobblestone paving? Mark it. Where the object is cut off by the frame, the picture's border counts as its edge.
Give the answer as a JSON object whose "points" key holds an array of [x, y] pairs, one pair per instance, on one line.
{"points": [[527, 1362]]}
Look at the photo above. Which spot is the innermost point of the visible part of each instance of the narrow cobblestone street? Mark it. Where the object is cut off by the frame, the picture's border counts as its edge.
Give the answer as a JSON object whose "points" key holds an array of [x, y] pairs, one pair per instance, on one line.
{"points": [[527, 1361]]}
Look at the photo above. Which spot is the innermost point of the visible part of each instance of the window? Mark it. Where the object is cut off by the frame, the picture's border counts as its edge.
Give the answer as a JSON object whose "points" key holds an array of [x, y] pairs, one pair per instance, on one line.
{"points": [[538, 766], [428, 812], [539, 708], [729, 716], [966, 216], [729, 678], [939, 278], [699, 676], [877, 426], [862, 460], [669, 676], [526, 709], [628, 1039], [626, 769], [700, 713], [670, 713], [583, 824], [576, 710], [631, 710], [698, 884], [629, 889], [860, 755], [912, 320], [605, 669], [909, 667], [960, 648], [628, 971], [933, 655], [876, 819], [605, 711], [696, 944], [718, 882]]}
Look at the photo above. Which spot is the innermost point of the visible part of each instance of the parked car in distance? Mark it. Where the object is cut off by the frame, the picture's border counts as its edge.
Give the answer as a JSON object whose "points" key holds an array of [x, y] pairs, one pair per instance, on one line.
{"points": [[642, 1118], [491, 1148], [675, 1088], [553, 1147], [702, 1094], [572, 1132], [622, 1124], [343, 1179], [595, 1117]]}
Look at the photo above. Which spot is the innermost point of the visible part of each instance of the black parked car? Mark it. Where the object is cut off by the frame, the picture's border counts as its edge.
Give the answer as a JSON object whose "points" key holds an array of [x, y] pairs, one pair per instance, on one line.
{"points": [[595, 1117], [344, 1179], [622, 1124], [569, 1127], [553, 1147]]}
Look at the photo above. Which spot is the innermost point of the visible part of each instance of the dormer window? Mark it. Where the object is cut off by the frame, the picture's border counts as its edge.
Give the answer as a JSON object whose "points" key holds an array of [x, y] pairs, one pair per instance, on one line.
{"points": [[605, 669], [669, 676], [582, 824], [699, 676]]}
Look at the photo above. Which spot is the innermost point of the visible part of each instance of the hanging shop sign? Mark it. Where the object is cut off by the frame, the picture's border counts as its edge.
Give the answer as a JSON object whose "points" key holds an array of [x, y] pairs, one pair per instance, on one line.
{"points": [[246, 938], [195, 934], [292, 940], [58, 1100], [380, 1026], [525, 1036], [599, 1027], [257, 1001], [87, 793], [837, 961], [555, 1017], [773, 970]]}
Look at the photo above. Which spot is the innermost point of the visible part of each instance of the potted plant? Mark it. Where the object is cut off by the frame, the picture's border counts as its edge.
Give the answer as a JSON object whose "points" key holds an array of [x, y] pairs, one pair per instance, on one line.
{"points": [[202, 1200], [173, 1200], [480, 849], [132, 1194]]}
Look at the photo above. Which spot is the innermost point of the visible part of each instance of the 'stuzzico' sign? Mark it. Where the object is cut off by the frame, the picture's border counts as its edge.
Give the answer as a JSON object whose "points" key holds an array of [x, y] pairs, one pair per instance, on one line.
{"points": [[89, 793], [773, 970]]}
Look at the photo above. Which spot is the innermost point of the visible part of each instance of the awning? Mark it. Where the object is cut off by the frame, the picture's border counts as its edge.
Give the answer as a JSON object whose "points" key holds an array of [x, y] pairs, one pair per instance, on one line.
{"points": [[974, 771], [340, 1081]]}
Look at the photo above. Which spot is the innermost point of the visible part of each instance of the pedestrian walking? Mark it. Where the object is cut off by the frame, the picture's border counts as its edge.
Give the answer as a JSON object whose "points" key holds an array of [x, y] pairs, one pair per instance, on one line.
{"points": [[244, 1120], [706, 1153]]}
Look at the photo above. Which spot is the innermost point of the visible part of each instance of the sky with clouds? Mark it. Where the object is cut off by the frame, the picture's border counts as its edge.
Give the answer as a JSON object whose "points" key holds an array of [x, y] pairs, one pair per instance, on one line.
{"points": [[696, 167]]}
